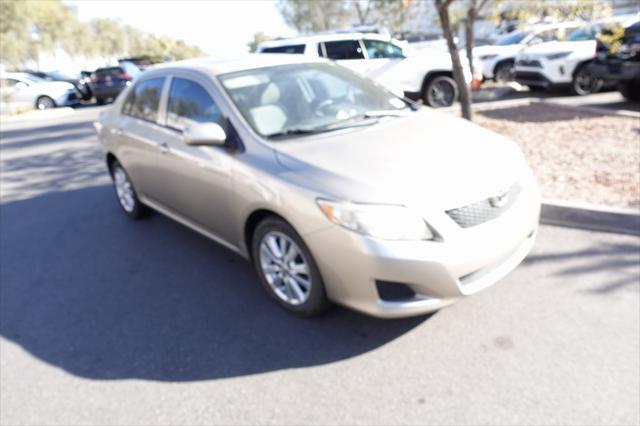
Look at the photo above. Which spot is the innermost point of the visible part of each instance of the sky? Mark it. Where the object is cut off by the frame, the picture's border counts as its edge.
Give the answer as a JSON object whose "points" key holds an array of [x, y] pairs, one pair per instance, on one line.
{"points": [[219, 27]]}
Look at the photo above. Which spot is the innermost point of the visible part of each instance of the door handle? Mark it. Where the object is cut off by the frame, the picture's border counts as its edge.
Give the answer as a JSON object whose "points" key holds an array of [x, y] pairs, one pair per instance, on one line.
{"points": [[164, 148]]}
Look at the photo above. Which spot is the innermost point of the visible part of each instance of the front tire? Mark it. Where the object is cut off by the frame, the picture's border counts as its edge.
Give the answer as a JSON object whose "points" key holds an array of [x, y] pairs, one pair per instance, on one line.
{"points": [[287, 269], [440, 92], [584, 82], [630, 90], [126, 193], [504, 72], [45, 102]]}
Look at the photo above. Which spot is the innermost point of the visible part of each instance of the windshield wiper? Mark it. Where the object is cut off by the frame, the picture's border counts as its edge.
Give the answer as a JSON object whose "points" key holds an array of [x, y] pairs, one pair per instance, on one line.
{"points": [[294, 132]]}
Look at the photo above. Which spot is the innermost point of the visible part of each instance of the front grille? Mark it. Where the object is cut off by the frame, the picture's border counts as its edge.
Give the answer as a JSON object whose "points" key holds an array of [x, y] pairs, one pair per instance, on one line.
{"points": [[485, 210], [529, 63]]}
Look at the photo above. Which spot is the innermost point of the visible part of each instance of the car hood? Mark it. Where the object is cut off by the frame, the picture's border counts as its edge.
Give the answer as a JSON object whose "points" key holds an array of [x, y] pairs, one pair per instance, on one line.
{"points": [[560, 46], [510, 49], [424, 159]]}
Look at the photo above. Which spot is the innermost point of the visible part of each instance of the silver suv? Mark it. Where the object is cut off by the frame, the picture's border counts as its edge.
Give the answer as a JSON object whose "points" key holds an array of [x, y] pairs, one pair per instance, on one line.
{"points": [[336, 189]]}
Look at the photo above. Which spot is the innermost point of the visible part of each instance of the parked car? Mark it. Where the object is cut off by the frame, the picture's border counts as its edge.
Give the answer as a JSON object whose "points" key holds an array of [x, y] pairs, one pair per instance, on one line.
{"points": [[334, 187], [498, 59], [618, 61], [418, 74], [559, 64], [81, 84], [26, 90], [108, 82]]}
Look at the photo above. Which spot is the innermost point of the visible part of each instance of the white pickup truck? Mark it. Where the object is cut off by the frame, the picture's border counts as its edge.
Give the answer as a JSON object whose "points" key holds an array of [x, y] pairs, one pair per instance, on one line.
{"points": [[418, 74]]}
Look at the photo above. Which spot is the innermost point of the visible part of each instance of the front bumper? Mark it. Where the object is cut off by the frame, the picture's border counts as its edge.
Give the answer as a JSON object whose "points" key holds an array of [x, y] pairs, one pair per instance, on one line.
{"points": [[438, 272], [616, 71], [68, 99]]}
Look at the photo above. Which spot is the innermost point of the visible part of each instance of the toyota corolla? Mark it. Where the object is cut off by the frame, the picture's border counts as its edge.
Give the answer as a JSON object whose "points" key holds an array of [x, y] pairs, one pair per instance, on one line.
{"points": [[333, 187]]}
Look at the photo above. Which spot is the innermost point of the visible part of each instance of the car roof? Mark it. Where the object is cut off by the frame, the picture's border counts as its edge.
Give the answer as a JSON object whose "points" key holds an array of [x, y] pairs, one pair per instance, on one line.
{"points": [[218, 66], [323, 37]]}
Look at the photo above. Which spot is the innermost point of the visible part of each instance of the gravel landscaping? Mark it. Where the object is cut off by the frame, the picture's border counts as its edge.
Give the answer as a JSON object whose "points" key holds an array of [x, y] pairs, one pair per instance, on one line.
{"points": [[576, 155]]}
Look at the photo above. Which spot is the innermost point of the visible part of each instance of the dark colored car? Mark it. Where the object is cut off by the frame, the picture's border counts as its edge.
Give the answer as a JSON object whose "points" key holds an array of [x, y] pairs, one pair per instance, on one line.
{"points": [[108, 82], [618, 60], [81, 84]]}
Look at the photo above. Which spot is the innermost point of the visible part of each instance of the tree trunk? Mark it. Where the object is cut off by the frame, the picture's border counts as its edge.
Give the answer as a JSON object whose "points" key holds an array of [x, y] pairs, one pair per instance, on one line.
{"points": [[458, 75], [470, 36]]}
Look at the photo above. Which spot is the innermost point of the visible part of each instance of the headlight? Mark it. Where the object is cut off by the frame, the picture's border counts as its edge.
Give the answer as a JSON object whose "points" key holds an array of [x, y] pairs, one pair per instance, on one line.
{"points": [[558, 55], [387, 222], [490, 56]]}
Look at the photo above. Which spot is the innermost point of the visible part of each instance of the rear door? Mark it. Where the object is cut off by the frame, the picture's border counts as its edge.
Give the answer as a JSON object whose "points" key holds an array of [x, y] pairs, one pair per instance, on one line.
{"points": [[139, 135], [382, 56]]}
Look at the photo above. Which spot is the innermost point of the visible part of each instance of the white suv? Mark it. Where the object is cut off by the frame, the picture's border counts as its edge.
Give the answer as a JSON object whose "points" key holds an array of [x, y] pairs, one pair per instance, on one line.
{"points": [[564, 63], [418, 74], [498, 59]]}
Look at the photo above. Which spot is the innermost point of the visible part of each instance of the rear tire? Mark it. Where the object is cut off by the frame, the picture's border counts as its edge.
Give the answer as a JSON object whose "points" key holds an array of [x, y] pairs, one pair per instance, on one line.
{"points": [[126, 193], [287, 269], [100, 101], [440, 92]]}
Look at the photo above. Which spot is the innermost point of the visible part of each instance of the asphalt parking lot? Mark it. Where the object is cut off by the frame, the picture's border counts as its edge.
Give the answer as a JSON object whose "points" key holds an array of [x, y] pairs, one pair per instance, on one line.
{"points": [[108, 321]]}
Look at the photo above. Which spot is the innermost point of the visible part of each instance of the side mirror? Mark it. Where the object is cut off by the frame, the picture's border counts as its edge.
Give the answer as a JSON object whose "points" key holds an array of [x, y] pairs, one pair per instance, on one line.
{"points": [[203, 134]]}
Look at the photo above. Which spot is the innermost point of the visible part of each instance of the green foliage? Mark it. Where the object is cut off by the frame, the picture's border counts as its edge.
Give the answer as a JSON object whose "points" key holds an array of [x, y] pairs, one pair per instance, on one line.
{"points": [[313, 16], [28, 27], [258, 38]]}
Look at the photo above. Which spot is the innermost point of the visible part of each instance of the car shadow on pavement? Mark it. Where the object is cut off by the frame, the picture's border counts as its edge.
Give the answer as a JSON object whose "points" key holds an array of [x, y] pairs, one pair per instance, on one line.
{"points": [[103, 297], [621, 257], [538, 113]]}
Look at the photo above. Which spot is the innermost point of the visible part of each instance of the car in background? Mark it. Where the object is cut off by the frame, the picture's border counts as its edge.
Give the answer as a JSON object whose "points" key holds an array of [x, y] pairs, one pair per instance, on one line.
{"points": [[107, 82], [561, 64], [418, 74], [81, 84], [498, 59], [332, 186], [618, 60], [26, 90]]}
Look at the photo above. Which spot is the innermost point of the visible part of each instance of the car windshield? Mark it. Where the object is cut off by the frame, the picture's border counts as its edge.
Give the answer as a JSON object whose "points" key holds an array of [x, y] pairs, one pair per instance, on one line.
{"points": [[511, 38], [585, 33], [308, 98], [33, 78]]}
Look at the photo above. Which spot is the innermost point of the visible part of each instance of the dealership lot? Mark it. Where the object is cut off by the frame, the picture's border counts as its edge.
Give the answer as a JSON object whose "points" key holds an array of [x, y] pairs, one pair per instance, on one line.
{"points": [[104, 320]]}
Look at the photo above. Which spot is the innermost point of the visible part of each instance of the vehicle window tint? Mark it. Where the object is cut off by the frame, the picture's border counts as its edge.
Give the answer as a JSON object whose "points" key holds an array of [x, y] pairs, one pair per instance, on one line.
{"points": [[297, 48], [377, 49], [188, 103], [144, 98], [108, 72], [344, 49]]}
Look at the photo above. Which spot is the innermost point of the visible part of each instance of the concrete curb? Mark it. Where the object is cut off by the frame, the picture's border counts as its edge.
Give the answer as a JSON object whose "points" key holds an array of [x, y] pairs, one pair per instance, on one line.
{"points": [[595, 218], [37, 115]]}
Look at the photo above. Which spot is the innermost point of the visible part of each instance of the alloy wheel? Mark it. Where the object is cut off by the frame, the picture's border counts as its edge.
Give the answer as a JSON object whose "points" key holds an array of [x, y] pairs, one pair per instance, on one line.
{"points": [[285, 268], [124, 190]]}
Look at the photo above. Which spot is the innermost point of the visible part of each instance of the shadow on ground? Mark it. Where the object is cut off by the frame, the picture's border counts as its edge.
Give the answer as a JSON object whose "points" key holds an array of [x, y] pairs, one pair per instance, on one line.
{"points": [[538, 113], [622, 258], [103, 297]]}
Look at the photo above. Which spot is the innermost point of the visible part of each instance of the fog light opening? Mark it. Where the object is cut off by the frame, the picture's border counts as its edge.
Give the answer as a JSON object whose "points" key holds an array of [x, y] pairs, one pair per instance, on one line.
{"points": [[394, 292]]}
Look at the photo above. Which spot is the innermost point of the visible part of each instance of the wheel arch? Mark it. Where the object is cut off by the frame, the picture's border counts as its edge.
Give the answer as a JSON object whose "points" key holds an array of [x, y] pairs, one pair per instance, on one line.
{"points": [[110, 159], [251, 223], [501, 62], [430, 76]]}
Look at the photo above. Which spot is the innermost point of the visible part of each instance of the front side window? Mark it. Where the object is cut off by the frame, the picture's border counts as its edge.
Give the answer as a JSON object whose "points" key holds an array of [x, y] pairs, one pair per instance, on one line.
{"points": [[378, 49], [144, 99], [296, 49], [303, 98], [190, 103], [343, 49]]}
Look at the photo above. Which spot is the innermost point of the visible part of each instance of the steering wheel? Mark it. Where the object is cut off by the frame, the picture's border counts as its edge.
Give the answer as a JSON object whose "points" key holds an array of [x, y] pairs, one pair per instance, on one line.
{"points": [[322, 105]]}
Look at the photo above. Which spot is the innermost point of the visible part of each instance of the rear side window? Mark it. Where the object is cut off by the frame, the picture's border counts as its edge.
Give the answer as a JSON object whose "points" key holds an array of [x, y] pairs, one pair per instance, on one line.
{"points": [[190, 103], [378, 49], [144, 99], [295, 48], [343, 49]]}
